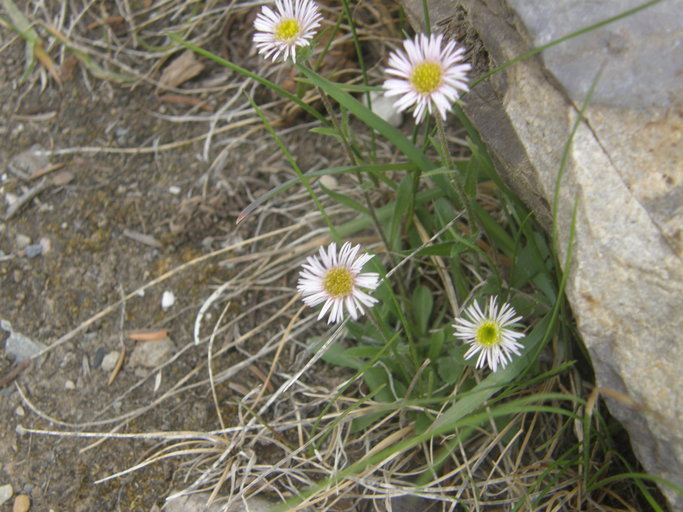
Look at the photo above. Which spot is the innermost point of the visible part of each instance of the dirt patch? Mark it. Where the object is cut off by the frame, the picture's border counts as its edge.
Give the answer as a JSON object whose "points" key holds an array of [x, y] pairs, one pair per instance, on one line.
{"points": [[113, 221]]}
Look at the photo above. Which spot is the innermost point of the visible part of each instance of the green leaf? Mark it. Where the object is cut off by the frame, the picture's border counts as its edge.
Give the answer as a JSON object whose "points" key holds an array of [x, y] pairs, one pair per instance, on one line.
{"points": [[337, 356], [365, 351], [378, 381], [443, 249], [22, 26], [401, 208], [450, 369], [498, 235], [370, 118], [345, 200], [423, 303], [323, 130], [436, 344]]}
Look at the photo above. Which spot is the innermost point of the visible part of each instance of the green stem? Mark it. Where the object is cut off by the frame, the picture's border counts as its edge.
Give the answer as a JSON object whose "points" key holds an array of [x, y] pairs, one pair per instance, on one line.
{"points": [[471, 219]]}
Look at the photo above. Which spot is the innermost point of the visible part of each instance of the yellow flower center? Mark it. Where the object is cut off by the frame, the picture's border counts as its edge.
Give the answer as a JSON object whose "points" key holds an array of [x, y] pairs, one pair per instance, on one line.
{"points": [[287, 30], [426, 77], [488, 333], [338, 282]]}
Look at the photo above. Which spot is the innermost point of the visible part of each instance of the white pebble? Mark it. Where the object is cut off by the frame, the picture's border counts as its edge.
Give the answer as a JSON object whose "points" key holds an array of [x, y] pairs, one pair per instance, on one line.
{"points": [[6, 493], [167, 299], [109, 361], [329, 182], [23, 241], [173, 189], [11, 198], [69, 384], [19, 411], [384, 108], [45, 244]]}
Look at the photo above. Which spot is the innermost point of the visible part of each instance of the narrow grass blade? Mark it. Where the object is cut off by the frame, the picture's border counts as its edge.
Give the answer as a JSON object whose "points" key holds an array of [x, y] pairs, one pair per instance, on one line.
{"points": [[295, 166], [379, 169], [370, 118], [345, 200]]}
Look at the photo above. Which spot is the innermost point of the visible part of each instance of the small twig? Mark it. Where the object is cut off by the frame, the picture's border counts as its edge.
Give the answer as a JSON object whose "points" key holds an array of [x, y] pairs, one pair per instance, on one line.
{"points": [[13, 373], [46, 116], [119, 365], [158, 334], [30, 194], [142, 238], [47, 170]]}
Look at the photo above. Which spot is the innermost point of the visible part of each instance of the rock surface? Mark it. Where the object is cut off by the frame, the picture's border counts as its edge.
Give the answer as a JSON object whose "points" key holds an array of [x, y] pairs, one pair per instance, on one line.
{"points": [[6, 493], [623, 171], [197, 503], [150, 354], [19, 347]]}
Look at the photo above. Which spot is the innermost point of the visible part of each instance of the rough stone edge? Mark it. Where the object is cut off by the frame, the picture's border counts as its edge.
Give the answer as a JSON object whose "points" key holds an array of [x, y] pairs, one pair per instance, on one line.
{"points": [[484, 105]]}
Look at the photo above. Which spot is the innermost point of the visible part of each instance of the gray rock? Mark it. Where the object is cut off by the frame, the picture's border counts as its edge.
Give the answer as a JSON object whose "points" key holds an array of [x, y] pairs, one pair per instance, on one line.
{"points": [[197, 503], [645, 41], [29, 162], [33, 251], [99, 357], [624, 172], [19, 347], [150, 354], [22, 241], [6, 493], [109, 361]]}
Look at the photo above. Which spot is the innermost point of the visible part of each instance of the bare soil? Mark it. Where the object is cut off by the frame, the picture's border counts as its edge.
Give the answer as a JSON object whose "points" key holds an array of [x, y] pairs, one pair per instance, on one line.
{"points": [[90, 219]]}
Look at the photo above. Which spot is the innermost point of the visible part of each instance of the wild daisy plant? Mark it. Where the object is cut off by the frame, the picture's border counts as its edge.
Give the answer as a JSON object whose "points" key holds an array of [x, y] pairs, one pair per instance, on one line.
{"points": [[292, 25], [409, 313], [336, 281], [490, 333], [450, 234], [430, 76]]}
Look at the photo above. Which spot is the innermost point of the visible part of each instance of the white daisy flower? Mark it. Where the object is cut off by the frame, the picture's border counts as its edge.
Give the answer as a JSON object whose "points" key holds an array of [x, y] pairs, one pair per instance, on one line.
{"points": [[336, 280], [490, 333], [429, 76], [292, 24]]}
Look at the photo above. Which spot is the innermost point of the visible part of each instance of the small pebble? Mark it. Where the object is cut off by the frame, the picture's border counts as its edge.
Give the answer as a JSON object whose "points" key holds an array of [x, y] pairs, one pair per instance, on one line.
{"points": [[121, 134], [22, 241], [99, 356], [6, 492], [34, 250], [167, 299], [22, 503], [19, 411], [175, 190], [150, 354], [69, 384], [45, 244], [384, 108], [19, 347], [109, 361], [328, 181]]}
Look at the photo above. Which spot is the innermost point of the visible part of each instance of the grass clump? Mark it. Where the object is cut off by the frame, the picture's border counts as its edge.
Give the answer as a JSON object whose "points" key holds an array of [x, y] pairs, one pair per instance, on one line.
{"points": [[458, 258], [458, 382]]}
